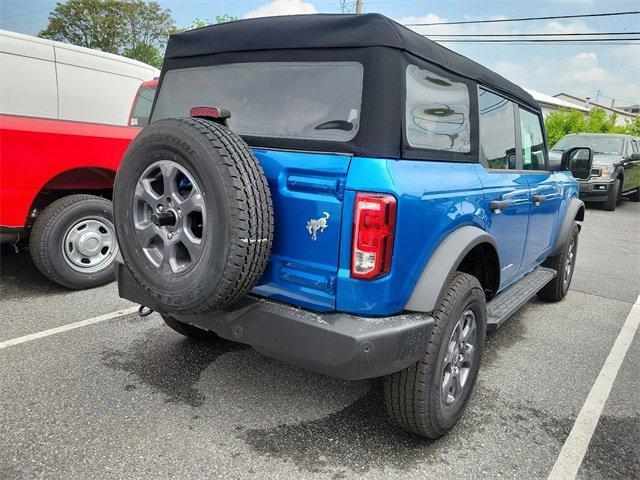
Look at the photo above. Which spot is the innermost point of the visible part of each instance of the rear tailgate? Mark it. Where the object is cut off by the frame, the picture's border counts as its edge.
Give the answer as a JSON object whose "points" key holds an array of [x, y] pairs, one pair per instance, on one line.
{"points": [[307, 190]]}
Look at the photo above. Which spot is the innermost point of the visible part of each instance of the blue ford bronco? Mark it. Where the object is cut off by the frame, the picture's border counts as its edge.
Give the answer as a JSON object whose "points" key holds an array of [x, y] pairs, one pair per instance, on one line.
{"points": [[347, 196]]}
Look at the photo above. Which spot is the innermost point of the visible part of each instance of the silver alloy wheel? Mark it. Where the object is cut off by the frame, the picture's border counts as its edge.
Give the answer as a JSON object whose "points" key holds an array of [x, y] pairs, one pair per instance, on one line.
{"points": [[169, 217], [458, 360], [89, 245], [568, 263]]}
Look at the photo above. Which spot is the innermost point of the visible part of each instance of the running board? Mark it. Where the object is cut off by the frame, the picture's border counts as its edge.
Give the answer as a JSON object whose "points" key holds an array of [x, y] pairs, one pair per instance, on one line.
{"points": [[507, 302]]}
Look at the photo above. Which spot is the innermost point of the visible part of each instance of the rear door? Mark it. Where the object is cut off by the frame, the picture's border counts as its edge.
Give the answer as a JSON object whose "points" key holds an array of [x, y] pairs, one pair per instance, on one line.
{"points": [[505, 187], [545, 189], [307, 190]]}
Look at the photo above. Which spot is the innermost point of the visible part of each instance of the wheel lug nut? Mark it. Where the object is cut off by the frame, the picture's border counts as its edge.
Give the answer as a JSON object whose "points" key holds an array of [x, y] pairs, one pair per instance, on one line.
{"points": [[160, 208], [169, 236]]}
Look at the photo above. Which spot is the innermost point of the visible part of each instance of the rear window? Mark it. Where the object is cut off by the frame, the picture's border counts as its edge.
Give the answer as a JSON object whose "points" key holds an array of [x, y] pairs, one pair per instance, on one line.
{"points": [[142, 107], [315, 101]]}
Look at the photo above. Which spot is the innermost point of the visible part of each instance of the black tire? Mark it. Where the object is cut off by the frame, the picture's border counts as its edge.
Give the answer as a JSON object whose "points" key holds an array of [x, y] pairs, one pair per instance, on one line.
{"points": [[557, 288], [413, 396], [47, 239], [613, 198], [188, 330], [237, 214]]}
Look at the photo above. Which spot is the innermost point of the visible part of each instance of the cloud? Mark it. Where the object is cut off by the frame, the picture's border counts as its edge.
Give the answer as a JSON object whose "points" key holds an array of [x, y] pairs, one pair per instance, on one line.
{"points": [[581, 75], [282, 7], [572, 26], [551, 70]]}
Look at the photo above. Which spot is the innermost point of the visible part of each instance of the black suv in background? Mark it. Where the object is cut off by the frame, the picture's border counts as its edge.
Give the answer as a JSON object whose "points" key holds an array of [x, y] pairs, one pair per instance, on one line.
{"points": [[616, 166]]}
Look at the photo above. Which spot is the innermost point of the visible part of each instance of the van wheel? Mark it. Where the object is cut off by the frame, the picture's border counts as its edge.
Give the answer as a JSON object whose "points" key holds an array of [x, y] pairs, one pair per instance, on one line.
{"points": [[564, 264], [613, 198], [430, 396], [188, 330], [73, 241], [194, 217]]}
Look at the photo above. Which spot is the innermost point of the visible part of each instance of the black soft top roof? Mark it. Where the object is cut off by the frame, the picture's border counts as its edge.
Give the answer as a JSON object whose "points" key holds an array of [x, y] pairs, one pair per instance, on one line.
{"points": [[333, 31]]}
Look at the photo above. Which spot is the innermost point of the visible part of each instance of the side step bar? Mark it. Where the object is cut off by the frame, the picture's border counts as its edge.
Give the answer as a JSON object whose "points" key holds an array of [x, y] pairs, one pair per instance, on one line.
{"points": [[507, 302]]}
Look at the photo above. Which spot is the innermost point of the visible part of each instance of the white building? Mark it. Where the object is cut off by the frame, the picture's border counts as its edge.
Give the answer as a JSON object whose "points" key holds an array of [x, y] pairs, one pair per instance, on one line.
{"points": [[622, 117], [550, 104]]}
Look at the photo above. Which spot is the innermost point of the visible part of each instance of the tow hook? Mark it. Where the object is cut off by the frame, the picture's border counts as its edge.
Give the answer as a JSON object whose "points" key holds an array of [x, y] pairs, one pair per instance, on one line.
{"points": [[144, 311]]}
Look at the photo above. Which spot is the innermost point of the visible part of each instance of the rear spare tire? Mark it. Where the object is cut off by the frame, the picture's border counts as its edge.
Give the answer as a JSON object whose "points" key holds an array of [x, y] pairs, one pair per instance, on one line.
{"points": [[193, 214]]}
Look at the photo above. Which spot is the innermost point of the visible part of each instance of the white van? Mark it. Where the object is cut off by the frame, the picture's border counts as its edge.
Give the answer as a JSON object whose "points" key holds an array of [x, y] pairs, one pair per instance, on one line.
{"points": [[44, 78]]}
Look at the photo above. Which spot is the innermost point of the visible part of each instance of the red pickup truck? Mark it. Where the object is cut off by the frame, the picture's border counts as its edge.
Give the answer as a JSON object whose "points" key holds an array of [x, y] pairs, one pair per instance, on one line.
{"points": [[56, 175]]}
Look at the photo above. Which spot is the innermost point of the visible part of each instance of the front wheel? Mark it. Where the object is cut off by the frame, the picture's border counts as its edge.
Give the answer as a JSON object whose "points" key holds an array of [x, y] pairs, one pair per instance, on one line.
{"points": [[563, 263], [73, 241], [613, 198], [430, 396]]}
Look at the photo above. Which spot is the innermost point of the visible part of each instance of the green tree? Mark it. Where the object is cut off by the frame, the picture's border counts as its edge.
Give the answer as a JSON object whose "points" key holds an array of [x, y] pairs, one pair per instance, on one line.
{"points": [[562, 122], [633, 127], [201, 22], [134, 28]]}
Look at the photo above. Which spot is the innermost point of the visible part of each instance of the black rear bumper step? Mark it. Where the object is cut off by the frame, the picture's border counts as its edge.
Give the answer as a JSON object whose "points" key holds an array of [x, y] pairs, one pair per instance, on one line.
{"points": [[507, 302], [335, 344]]}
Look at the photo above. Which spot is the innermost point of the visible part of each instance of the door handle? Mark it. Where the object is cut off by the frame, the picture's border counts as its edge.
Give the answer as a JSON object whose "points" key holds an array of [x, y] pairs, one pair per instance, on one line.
{"points": [[497, 205], [538, 198]]}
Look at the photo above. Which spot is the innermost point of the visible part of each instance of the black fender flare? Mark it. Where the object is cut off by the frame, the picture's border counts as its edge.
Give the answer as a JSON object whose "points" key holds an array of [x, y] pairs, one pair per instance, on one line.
{"points": [[574, 211], [442, 265]]}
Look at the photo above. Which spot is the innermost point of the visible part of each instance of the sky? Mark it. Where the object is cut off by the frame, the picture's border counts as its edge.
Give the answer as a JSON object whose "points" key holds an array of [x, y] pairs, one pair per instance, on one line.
{"points": [[580, 70]]}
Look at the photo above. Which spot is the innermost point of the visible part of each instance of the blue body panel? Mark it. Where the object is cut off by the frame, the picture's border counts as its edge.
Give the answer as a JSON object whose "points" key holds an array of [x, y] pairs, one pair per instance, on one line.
{"points": [[303, 186], [434, 199]]}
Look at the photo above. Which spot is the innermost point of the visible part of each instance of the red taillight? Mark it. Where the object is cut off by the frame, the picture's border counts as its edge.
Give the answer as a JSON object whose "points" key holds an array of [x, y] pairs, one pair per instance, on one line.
{"points": [[373, 228], [211, 112]]}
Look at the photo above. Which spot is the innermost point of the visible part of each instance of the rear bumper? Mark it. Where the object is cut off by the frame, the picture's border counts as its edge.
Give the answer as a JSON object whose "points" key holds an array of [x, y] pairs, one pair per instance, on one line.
{"points": [[334, 344], [595, 191]]}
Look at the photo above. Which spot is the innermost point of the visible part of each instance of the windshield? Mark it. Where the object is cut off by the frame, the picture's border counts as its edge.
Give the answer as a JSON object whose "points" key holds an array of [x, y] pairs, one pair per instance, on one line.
{"points": [[308, 100], [599, 145]]}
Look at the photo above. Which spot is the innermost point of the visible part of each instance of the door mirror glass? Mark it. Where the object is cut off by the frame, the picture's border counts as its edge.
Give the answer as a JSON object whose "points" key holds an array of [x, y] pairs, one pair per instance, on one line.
{"points": [[635, 157], [578, 161]]}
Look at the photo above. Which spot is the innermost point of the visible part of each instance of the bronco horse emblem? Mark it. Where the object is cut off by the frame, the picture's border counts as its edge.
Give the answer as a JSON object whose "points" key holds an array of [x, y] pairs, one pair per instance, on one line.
{"points": [[315, 225]]}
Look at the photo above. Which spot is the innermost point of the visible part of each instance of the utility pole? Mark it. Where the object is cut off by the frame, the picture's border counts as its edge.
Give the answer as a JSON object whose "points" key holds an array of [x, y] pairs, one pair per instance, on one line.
{"points": [[358, 6]]}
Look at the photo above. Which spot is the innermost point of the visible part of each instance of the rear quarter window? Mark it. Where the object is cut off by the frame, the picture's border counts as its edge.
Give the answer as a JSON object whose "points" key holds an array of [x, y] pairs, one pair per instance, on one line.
{"points": [[306, 100], [437, 112]]}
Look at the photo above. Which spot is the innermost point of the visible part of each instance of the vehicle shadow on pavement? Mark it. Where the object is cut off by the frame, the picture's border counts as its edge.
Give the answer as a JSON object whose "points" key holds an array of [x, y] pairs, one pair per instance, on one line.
{"points": [[357, 438], [168, 363], [19, 277]]}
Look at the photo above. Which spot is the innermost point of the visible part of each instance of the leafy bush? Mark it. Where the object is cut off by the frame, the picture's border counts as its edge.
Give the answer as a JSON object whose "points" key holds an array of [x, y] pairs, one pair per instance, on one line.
{"points": [[565, 121]]}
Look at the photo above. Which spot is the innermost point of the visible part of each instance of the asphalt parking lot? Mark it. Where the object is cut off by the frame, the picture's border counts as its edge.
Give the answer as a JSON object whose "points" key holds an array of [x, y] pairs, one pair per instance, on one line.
{"points": [[129, 398]]}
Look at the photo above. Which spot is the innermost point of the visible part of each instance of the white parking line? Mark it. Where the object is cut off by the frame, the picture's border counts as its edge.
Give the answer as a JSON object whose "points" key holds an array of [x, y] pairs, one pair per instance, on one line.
{"points": [[575, 447], [66, 328]]}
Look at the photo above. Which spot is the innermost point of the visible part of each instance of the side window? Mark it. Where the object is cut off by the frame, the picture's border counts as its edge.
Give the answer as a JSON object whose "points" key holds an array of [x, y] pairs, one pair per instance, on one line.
{"points": [[533, 153], [437, 112], [497, 131], [632, 147]]}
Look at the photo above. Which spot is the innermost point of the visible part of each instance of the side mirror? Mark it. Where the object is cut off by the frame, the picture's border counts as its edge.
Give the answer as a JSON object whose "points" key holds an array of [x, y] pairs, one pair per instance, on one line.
{"points": [[635, 157], [578, 161]]}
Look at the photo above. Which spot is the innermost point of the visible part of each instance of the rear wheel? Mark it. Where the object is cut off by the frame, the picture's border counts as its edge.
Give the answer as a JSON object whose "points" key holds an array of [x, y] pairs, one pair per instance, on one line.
{"points": [[563, 263], [430, 396], [188, 330], [73, 241], [613, 198]]}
